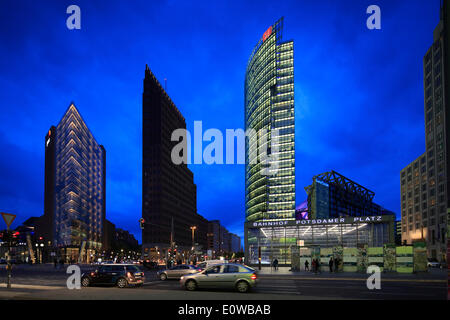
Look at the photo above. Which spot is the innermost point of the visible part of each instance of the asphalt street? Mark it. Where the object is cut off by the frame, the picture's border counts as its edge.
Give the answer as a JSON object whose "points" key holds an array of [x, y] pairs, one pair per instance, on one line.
{"points": [[44, 282]]}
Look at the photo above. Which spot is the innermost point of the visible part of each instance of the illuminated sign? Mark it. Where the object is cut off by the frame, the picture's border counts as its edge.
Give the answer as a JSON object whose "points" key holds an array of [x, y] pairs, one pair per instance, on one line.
{"points": [[267, 33], [342, 220]]}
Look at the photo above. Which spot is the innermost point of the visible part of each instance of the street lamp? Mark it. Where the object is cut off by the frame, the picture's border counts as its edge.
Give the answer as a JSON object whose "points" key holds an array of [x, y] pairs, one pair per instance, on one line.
{"points": [[193, 228]]}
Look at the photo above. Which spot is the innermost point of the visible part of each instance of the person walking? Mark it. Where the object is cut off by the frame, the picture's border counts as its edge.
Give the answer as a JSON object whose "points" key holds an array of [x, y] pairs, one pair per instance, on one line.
{"points": [[313, 265], [275, 264], [336, 265], [330, 264], [306, 265], [55, 262]]}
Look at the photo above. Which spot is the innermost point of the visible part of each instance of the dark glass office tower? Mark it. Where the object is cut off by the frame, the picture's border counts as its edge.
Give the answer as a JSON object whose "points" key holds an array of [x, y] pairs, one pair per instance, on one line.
{"points": [[269, 105], [168, 190], [74, 200]]}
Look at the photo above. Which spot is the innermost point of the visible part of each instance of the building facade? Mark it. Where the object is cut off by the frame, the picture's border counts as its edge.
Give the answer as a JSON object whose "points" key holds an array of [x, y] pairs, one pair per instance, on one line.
{"points": [[169, 195], [75, 198], [269, 108], [331, 195], [279, 239], [425, 201], [235, 243], [340, 214]]}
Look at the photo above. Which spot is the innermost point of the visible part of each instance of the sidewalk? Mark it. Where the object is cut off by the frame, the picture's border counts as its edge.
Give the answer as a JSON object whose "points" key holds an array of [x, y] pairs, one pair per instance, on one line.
{"points": [[434, 275]]}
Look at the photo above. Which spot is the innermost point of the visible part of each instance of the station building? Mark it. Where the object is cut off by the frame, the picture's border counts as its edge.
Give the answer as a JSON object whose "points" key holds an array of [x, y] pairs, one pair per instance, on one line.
{"points": [[340, 214]]}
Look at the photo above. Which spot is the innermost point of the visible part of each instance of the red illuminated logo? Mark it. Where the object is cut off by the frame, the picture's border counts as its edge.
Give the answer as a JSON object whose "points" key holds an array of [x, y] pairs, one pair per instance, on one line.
{"points": [[267, 33]]}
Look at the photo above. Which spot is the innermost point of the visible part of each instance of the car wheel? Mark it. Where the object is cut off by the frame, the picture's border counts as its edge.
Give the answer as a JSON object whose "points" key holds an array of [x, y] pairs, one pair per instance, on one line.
{"points": [[85, 282], [163, 276], [191, 285], [242, 286], [122, 283]]}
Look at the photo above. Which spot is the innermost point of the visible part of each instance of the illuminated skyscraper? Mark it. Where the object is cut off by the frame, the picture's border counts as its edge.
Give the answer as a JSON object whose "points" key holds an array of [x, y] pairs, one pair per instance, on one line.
{"points": [[74, 204], [269, 105]]}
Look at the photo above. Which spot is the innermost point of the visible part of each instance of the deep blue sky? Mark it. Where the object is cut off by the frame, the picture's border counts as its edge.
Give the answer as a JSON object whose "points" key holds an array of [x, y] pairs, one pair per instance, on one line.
{"points": [[358, 93]]}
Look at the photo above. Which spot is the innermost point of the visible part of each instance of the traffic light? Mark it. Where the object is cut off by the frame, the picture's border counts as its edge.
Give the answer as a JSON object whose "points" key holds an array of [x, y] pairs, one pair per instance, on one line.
{"points": [[141, 223]]}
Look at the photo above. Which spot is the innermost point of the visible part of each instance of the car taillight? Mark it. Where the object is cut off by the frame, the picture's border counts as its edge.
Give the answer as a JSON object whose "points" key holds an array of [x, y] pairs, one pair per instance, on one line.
{"points": [[92, 274], [253, 277]]}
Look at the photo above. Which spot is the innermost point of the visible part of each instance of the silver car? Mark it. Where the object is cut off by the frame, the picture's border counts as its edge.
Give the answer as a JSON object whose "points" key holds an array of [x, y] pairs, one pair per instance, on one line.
{"points": [[177, 271], [226, 275]]}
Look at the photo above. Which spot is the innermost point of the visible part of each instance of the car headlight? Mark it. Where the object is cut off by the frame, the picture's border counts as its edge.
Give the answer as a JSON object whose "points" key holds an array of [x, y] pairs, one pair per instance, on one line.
{"points": [[181, 278]]}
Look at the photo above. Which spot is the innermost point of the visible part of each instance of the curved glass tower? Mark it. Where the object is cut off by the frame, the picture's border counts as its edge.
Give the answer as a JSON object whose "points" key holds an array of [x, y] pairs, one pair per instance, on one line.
{"points": [[269, 105]]}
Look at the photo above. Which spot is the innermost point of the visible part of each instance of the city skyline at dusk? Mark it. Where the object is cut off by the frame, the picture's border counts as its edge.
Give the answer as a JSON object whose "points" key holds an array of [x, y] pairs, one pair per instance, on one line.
{"points": [[358, 92]]}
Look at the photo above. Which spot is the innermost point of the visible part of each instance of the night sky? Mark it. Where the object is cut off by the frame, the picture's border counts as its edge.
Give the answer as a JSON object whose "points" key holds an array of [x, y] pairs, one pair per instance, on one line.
{"points": [[358, 93]]}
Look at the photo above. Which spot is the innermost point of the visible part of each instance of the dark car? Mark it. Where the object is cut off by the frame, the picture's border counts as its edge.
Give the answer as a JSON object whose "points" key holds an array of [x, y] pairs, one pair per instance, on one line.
{"points": [[121, 275]]}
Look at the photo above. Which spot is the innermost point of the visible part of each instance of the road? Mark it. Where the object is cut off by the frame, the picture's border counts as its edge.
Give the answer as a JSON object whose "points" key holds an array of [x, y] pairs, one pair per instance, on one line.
{"points": [[48, 283]]}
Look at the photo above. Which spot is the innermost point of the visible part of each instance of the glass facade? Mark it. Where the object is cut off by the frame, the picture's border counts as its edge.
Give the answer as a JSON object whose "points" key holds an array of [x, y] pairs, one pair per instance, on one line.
{"points": [[269, 106], [278, 242], [78, 183], [332, 195]]}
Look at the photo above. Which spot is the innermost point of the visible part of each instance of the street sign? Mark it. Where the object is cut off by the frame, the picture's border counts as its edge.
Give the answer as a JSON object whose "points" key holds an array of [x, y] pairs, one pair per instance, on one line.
{"points": [[9, 218]]}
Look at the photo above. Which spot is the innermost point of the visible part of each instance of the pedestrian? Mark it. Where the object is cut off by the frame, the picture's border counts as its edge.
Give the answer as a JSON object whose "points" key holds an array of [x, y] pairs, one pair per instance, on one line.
{"points": [[55, 262], [313, 265], [330, 264], [306, 265], [275, 264], [336, 265], [317, 265]]}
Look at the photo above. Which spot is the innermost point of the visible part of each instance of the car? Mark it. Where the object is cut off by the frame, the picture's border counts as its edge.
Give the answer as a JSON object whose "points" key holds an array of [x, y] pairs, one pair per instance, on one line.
{"points": [[206, 264], [225, 275], [433, 263], [120, 275], [177, 271]]}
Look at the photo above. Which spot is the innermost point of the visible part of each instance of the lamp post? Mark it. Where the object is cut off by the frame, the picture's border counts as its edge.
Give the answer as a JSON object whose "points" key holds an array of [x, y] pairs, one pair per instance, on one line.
{"points": [[193, 228], [37, 253]]}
